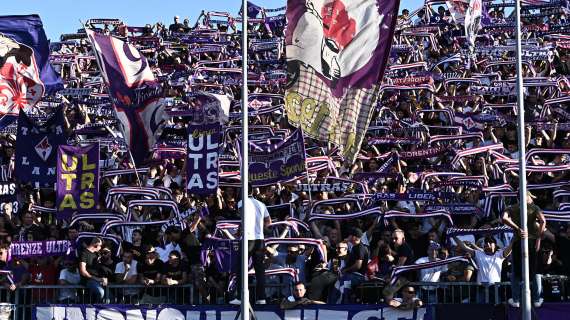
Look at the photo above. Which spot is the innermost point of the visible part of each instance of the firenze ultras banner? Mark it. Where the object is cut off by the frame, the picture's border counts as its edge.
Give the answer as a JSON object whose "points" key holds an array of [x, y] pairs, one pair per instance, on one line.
{"points": [[202, 163], [279, 162], [40, 249], [77, 180], [36, 150], [188, 312], [336, 55]]}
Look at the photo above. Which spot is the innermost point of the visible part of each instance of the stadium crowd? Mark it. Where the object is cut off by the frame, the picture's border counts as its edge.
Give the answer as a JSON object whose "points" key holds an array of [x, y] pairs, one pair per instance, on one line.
{"points": [[436, 177]]}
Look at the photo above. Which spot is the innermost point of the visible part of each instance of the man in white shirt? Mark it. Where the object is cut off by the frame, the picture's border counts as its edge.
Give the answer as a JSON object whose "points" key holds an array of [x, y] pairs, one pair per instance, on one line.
{"points": [[171, 243], [431, 274], [258, 219], [69, 276], [489, 261], [126, 273]]}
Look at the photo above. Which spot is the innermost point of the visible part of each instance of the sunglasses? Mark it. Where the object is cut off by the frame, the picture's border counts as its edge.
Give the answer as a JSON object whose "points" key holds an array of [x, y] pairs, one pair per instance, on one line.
{"points": [[410, 292], [338, 248]]}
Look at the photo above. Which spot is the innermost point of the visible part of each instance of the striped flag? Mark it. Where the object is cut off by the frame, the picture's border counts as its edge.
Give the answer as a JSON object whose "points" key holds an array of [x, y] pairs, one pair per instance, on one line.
{"points": [[336, 55]]}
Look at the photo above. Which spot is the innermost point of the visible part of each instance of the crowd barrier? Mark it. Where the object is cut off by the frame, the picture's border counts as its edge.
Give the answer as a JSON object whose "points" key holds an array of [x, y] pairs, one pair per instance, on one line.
{"points": [[444, 292], [26, 297]]}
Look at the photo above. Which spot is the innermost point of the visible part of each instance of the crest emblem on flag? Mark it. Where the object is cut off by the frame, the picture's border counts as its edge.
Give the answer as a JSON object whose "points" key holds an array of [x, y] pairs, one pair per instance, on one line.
{"points": [[20, 83], [43, 148], [134, 90]]}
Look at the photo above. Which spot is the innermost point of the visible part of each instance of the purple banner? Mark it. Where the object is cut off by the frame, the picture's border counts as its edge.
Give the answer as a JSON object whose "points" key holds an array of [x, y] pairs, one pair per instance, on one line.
{"points": [[202, 162], [8, 197], [40, 249], [77, 180], [279, 162], [166, 311]]}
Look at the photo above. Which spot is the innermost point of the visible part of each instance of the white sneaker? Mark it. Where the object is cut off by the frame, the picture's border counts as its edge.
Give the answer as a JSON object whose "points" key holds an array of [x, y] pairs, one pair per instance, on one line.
{"points": [[538, 304], [235, 301], [513, 304], [261, 301]]}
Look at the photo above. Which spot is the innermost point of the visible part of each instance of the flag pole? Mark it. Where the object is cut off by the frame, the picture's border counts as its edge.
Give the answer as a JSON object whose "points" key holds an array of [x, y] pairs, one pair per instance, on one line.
{"points": [[244, 308], [526, 307]]}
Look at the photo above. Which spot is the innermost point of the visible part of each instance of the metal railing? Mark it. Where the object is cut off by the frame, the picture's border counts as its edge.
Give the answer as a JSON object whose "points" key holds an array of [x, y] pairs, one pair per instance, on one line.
{"points": [[442, 292], [26, 297]]}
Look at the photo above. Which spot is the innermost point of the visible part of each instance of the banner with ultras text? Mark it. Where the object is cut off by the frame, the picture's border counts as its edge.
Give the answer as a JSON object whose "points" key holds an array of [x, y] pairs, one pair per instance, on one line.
{"points": [[77, 179], [188, 312]]}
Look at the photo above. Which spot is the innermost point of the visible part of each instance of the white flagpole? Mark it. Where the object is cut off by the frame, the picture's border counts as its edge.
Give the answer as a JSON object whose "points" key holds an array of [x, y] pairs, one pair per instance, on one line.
{"points": [[244, 168], [525, 294]]}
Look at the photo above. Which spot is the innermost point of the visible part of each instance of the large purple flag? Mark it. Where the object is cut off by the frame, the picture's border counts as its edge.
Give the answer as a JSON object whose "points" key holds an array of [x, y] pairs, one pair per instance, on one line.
{"points": [[133, 88], [202, 163], [77, 180], [25, 72], [279, 162], [336, 55]]}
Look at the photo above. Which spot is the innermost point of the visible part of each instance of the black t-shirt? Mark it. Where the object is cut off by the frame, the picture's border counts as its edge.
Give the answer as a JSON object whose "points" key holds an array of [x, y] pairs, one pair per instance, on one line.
{"points": [[150, 271], [405, 251], [359, 252], [176, 27], [91, 260], [37, 233], [420, 245], [174, 272]]}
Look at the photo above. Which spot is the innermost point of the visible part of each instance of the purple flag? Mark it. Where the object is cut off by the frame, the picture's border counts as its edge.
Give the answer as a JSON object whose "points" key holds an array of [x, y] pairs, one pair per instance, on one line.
{"points": [[202, 162], [279, 162], [336, 55], [77, 180], [252, 10], [36, 149], [25, 72], [133, 89]]}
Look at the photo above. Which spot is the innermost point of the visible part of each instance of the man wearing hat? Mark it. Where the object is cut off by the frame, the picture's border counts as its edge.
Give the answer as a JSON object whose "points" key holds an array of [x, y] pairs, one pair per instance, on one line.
{"points": [[431, 274], [489, 259], [536, 225], [150, 273]]}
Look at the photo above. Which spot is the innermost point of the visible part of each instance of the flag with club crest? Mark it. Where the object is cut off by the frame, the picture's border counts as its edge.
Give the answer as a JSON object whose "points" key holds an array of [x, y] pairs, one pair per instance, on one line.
{"points": [[136, 95], [25, 73], [336, 55], [36, 150]]}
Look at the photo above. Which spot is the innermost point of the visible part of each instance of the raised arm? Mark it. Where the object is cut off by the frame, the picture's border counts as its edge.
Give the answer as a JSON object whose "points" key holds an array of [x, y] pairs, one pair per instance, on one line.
{"points": [[462, 245]]}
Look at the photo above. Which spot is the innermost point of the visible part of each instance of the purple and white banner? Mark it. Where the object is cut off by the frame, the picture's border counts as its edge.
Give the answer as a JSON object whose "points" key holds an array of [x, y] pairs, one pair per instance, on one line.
{"points": [[279, 162], [77, 180], [40, 249], [188, 312], [337, 52], [202, 158]]}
